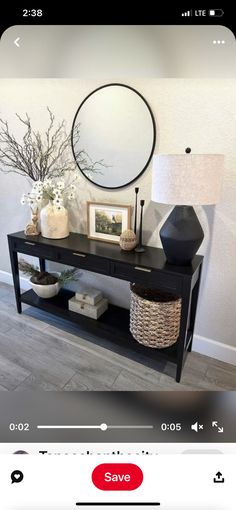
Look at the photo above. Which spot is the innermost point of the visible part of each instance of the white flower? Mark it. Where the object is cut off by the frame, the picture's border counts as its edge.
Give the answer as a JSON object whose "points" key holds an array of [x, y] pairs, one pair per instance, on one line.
{"points": [[37, 185], [47, 182], [51, 190], [57, 201], [57, 192]]}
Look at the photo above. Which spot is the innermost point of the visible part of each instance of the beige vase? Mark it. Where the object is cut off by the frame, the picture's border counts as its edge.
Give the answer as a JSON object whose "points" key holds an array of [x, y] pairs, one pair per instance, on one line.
{"points": [[54, 222]]}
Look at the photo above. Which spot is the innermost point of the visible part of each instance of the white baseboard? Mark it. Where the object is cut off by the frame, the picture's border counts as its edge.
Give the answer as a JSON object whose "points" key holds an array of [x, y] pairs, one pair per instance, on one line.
{"points": [[214, 349], [6, 277], [201, 344]]}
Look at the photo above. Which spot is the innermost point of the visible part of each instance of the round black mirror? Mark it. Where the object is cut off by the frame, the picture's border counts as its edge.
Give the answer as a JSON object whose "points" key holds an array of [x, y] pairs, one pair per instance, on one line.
{"points": [[113, 136]]}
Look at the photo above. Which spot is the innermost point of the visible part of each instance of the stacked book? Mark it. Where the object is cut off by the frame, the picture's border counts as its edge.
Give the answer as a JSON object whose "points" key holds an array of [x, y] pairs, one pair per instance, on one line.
{"points": [[88, 301]]}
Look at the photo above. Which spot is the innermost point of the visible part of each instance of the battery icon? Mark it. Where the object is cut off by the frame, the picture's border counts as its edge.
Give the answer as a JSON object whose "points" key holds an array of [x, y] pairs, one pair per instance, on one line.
{"points": [[216, 12]]}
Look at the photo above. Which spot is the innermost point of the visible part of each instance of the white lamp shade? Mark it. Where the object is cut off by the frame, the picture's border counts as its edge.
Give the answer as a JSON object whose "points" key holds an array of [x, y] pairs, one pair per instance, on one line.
{"points": [[187, 179]]}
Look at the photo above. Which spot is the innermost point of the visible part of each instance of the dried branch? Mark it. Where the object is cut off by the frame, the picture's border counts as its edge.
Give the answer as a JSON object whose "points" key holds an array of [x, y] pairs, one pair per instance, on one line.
{"points": [[37, 155]]}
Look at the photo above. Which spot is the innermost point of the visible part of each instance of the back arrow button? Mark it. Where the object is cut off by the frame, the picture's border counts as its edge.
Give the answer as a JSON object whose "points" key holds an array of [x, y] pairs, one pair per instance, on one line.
{"points": [[16, 42]]}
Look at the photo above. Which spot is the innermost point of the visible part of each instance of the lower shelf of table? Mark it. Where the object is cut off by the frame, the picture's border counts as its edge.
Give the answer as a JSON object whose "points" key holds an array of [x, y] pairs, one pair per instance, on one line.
{"points": [[115, 322]]}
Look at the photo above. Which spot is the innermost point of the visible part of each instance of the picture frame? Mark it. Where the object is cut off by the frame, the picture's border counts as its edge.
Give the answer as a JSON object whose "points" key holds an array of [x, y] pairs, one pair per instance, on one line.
{"points": [[107, 221]]}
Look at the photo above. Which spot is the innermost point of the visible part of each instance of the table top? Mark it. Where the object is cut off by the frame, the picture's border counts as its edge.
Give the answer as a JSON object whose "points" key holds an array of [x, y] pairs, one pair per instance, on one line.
{"points": [[152, 258]]}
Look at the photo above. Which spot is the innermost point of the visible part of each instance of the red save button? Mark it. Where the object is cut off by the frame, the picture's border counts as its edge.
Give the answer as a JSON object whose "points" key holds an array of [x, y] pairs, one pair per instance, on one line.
{"points": [[117, 477]]}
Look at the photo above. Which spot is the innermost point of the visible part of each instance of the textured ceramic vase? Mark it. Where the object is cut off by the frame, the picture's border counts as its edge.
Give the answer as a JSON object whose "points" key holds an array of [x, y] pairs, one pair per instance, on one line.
{"points": [[128, 240], [54, 222]]}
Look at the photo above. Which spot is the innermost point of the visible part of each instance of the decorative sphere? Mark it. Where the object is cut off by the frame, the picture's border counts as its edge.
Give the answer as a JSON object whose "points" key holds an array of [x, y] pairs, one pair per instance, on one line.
{"points": [[128, 240]]}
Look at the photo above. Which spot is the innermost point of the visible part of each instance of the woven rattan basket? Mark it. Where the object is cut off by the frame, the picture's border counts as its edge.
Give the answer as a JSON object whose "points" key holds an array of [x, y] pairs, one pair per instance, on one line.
{"points": [[154, 317]]}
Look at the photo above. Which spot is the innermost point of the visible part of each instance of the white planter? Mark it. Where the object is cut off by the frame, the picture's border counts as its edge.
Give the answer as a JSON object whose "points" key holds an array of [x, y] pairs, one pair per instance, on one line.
{"points": [[46, 291], [54, 222]]}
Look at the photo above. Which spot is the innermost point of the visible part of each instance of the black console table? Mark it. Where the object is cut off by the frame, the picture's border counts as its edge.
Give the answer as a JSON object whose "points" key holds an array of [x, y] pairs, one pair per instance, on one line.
{"points": [[148, 268]]}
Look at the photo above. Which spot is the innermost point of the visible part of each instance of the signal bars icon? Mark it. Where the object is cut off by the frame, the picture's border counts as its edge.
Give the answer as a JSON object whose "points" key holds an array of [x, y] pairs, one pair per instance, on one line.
{"points": [[186, 13]]}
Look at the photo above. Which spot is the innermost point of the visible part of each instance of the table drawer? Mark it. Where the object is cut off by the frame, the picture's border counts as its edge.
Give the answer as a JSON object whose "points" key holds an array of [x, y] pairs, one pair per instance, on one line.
{"points": [[148, 277], [84, 261], [34, 249]]}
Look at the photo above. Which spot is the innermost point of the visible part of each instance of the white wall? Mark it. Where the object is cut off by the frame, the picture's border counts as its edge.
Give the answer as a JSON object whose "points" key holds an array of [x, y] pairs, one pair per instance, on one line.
{"points": [[195, 113]]}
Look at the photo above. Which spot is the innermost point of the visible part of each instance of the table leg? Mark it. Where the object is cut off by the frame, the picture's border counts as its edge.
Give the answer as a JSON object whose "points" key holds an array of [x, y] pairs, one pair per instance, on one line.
{"points": [[185, 310], [190, 344], [42, 264], [194, 307], [16, 277]]}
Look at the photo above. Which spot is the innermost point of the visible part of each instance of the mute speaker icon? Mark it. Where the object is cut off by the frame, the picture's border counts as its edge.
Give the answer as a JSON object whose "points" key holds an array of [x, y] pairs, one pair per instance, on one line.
{"points": [[196, 426]]}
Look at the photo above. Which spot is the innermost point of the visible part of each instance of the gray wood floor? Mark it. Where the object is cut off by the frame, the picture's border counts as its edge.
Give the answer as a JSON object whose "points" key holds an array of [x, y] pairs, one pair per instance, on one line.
{"points": [[42, 352]]}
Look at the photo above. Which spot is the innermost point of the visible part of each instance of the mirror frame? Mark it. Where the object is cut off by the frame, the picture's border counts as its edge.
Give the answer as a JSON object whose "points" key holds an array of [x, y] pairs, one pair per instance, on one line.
{"points": [[153, 125]]}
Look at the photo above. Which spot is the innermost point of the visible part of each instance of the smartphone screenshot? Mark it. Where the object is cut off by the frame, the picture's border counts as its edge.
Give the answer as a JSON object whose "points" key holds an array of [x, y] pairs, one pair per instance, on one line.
{"points": [[117, 265]]}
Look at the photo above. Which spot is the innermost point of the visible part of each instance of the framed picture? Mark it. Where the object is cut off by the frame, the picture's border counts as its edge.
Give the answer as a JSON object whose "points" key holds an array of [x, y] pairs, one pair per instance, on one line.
{"points": [[106, 222]]}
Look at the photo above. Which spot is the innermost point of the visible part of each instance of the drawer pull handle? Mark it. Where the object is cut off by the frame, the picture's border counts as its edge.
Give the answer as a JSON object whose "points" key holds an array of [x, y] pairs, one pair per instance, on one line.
{"points": [[28, 242], [79, 254], [143, 269]]}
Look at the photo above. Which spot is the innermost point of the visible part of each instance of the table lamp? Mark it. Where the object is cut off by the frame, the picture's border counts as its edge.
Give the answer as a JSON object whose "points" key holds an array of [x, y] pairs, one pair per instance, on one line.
{"points": [[185, 180]]}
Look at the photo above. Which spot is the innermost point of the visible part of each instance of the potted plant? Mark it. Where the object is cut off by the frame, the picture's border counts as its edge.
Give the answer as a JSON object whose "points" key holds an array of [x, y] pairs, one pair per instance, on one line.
{"points": [[47, 285], [47, 160], [52, 197]]}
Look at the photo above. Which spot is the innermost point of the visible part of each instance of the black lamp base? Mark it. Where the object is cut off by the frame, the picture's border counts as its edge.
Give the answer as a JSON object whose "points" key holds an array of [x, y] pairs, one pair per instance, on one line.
{"points": [[181, 235]]}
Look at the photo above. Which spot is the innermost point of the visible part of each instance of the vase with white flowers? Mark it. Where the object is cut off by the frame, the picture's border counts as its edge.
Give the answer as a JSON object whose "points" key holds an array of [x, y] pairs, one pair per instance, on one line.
{"points": [[45, 158], [52, 197]]}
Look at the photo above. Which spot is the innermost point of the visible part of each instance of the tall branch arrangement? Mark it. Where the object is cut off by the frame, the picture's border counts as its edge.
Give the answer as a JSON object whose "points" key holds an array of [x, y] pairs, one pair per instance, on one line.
{"points": [[40, 156]]}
